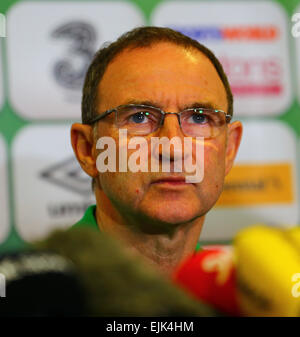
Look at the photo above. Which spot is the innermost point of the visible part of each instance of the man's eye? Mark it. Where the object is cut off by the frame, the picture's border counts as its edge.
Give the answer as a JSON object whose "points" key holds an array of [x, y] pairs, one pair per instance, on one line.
{"points": [[140, 117], [198, 118]]}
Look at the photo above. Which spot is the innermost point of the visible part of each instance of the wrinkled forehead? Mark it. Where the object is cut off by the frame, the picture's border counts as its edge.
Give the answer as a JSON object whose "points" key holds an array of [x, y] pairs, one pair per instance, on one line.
{"points": [[159, 55], [160, 67]]}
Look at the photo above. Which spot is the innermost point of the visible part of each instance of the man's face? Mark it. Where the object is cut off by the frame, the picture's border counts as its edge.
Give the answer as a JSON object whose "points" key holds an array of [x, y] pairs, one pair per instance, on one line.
{"points": [[172, 78]]}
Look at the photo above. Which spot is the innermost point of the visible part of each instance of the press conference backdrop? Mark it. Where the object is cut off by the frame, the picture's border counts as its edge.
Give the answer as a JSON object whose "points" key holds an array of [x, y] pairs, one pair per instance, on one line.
{"points": [[44, 57]]}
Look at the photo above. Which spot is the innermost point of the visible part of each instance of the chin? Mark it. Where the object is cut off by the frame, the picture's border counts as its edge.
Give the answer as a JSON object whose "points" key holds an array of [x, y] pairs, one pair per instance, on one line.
{"points": [[171, 215]]}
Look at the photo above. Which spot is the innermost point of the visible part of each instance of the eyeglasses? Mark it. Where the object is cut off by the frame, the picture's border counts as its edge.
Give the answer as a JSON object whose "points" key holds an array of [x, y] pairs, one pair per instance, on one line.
{"points": [[144, 120]]}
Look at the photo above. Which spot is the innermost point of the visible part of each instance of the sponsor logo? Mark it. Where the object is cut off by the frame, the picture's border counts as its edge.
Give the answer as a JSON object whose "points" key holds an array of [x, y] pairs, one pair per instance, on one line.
{"points": [[230, 33], [254, 75], [251, 76], [258, 184], [68, 174], [69, 72]]}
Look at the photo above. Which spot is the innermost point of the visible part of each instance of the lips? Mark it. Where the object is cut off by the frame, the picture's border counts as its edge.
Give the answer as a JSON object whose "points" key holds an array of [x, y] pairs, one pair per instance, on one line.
{"points": [[170, 180]]}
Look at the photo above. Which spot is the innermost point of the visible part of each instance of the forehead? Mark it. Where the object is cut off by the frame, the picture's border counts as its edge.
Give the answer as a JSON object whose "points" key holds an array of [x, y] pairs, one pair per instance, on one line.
{"points": [[163, 73]]}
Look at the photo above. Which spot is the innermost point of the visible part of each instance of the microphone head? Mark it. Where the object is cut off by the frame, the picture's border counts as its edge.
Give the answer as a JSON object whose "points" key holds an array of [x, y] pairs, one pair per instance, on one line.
{"points": [[267, 273], [210, 276], [37, 283]]}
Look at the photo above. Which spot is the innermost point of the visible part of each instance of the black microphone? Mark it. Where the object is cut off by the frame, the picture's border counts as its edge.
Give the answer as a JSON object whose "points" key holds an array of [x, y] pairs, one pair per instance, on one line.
{"points": [[36, 283]]}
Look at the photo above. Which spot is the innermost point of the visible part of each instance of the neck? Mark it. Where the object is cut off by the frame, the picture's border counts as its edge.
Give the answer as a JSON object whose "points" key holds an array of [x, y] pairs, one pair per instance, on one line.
{"points": [[164, 251]]}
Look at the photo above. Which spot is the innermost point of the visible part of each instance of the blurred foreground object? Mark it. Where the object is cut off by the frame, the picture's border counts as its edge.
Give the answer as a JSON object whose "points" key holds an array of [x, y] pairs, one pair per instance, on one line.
{"points": [[210, 276], [40, 284], [267, 260], [256, 277], [114, 282]]}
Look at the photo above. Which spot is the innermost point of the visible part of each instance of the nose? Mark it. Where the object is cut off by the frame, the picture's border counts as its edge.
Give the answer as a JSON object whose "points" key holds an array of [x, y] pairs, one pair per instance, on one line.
{"points": [[171, 126], [172, 130]]}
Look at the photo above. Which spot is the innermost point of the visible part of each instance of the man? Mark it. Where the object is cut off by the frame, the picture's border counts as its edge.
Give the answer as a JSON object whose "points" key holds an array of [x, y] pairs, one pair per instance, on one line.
{"points": [[130, 85]]}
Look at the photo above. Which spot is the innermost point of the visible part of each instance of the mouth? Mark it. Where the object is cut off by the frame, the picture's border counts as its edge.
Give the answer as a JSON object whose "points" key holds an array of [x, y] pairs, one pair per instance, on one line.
{"points": [[175, 181]]}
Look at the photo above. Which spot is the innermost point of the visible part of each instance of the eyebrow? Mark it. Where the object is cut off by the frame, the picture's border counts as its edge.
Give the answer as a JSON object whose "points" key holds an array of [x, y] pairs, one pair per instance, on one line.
{"points": [[137, 102], [205, 105]]}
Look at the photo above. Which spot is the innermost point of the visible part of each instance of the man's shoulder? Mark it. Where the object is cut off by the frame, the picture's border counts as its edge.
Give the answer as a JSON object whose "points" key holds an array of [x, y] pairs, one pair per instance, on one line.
{"points": [[88, 219]]}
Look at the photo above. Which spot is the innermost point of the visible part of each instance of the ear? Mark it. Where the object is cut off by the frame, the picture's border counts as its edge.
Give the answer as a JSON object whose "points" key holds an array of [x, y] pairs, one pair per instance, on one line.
{"points": [[234, 135], [82, 143]]}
